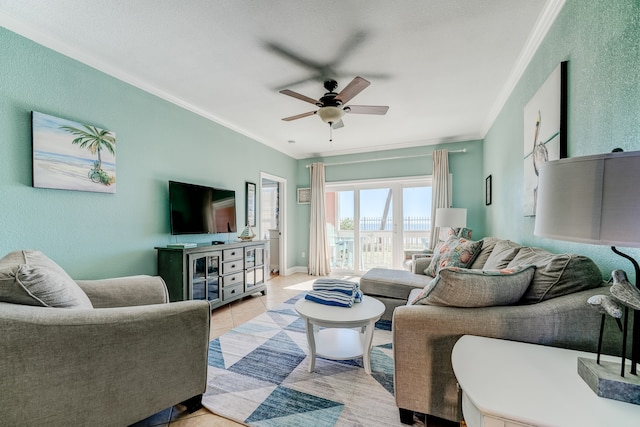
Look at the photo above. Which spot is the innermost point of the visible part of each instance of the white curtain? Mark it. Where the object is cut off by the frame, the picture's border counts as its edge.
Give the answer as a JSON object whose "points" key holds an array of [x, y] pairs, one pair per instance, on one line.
{"points": [[439, 190], [318, 249]]}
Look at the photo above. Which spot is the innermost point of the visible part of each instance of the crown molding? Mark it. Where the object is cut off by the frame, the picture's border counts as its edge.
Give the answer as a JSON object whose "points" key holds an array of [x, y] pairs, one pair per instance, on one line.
{"points": [[30, 32], [550, 12]]}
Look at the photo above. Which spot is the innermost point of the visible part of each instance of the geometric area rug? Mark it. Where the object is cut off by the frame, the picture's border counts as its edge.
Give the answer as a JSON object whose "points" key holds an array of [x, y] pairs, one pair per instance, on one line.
{"points": [[258, 375]]}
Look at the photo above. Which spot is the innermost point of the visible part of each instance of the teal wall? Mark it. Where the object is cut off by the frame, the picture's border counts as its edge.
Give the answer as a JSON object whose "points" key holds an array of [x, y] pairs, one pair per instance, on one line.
{"points": [[100, 235], [601, 42], [466, 168], [104, 235]]}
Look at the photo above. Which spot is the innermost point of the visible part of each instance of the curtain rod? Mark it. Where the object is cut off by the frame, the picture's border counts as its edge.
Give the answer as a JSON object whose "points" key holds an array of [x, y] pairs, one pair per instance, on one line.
{"points": [[464, 150]]}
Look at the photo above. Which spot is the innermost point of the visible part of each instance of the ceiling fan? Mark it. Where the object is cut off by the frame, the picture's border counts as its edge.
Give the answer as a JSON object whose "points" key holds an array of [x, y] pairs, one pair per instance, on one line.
{"points": [[332, 105], [323, 71]]}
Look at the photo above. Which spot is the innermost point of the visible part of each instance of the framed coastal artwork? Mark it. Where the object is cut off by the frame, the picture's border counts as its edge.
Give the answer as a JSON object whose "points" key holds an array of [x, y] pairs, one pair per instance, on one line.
{"points": [[69, 155], [545, 132]]}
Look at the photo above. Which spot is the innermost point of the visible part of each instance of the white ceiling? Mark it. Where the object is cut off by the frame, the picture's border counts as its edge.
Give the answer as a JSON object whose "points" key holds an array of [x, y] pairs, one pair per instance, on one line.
{"points": [[444, 67]]}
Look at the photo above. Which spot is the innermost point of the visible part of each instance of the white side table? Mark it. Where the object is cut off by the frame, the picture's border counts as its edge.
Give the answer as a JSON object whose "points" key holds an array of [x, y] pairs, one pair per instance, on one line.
{"points": [[509, 384], [339, 340]]}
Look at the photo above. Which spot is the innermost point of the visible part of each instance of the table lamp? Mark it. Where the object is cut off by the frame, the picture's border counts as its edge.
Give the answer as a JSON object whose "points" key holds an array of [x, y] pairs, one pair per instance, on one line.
{"points": [[596, 200], [451, 217]]}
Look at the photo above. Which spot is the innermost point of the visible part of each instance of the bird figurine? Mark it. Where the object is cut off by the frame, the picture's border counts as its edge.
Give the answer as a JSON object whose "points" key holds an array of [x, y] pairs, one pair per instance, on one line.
{"points": [[606, 305], [624, 291]]}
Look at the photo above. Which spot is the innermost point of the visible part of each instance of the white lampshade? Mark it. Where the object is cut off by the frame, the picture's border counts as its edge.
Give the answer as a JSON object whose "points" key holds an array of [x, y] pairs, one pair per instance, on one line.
{"points": [[451, 217], [591, 199], [331, 114]]}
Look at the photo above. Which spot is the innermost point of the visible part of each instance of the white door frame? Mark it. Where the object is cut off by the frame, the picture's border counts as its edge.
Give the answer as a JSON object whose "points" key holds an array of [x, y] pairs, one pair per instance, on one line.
{"points": [[282, 205], [396, 184]]}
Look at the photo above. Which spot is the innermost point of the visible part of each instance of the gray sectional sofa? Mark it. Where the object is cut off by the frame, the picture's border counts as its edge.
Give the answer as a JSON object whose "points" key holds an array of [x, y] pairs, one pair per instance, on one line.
{"points": [[550, 309]]}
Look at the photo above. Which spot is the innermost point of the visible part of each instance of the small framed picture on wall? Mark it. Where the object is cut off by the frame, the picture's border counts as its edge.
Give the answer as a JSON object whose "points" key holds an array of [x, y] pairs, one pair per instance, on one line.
{"points": [[250, 205], [487, 190], [304, 196]]}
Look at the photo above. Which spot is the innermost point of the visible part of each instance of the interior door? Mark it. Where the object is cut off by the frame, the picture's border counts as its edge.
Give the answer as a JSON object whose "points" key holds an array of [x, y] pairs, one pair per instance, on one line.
{"points": [[272, 221]]}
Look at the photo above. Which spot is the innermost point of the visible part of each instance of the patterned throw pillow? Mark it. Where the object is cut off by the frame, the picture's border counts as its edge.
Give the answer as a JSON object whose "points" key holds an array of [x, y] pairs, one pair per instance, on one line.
{"points": [[458, 287], [455, 252], [447, 232]]}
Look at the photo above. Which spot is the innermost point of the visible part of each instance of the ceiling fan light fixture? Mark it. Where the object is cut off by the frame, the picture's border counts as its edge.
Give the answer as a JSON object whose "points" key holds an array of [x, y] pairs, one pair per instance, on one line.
{"points": [[330, 114]]}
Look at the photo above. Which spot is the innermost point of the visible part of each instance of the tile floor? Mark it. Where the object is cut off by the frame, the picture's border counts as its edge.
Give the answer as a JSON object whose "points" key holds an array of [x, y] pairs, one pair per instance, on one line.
{"points": [[223, 319]]}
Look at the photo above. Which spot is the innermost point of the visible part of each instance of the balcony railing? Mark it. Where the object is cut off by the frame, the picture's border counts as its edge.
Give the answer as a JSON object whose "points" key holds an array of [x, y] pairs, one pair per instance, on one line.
{"points": [[410, 223], [375, 243]]}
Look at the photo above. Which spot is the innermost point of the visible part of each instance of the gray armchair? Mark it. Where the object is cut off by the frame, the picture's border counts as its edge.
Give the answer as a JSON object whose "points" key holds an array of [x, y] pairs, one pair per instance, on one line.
{"points": [[131, 356]]}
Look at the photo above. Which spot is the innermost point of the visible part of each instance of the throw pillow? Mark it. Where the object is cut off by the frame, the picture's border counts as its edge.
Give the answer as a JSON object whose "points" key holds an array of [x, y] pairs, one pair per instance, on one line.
{"points": [[63, 291], [40, 286], [455, 252], [457, 287], [556, 274], [448, 232], [503, 252], [488, 243], [32, 257]]}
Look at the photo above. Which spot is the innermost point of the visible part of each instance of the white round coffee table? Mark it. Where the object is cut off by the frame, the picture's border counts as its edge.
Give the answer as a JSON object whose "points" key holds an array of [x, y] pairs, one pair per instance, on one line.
{"points": [[340, 340]]}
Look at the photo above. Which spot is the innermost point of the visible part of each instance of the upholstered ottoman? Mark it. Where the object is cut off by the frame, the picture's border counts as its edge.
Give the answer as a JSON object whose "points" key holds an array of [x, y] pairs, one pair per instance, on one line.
{"points": [[391, 287]]}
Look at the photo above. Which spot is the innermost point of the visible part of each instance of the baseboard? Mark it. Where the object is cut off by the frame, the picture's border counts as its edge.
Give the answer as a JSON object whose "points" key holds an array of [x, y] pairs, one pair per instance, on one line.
{"points": [[297, 269]]}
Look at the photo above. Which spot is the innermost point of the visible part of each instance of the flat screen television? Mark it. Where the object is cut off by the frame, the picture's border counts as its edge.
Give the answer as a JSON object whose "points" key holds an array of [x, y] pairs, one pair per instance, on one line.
{"points": [[197, 209]]}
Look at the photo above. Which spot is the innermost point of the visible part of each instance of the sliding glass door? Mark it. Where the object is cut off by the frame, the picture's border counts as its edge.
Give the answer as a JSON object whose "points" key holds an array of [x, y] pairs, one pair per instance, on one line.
{"points": [[371, 224], [376, 231]]}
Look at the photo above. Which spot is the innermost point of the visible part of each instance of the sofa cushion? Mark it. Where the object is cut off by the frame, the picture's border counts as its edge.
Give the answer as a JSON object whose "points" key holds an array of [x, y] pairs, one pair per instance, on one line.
{"points": [[390, 283], [455, 252], [457, 287], [31, 278], [501, 255], [488, 243], [556, 274]]}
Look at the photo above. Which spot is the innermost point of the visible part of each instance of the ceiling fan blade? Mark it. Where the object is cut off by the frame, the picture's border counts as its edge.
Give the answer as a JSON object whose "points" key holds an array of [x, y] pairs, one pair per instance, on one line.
{"points": [[297, 83], [367, 109], [350, 45], [289, 54], [375, 76], [299, 96], [339, 124], [357, 85], [299, 116]]}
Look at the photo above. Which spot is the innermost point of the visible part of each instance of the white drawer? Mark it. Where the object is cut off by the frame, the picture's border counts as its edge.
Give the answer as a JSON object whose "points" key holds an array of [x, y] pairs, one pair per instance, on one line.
{"points": [[232, 291], [232, 279], [229, 267], [231, 254]]}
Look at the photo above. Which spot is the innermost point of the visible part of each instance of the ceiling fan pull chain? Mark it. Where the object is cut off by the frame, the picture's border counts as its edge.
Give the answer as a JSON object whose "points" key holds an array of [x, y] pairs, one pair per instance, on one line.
{"points": [[330, 132]]}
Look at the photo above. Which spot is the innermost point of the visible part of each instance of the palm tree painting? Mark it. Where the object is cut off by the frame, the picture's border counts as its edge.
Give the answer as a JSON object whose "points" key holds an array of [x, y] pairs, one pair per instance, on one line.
{"points": [[545, 121], [72, 156]]}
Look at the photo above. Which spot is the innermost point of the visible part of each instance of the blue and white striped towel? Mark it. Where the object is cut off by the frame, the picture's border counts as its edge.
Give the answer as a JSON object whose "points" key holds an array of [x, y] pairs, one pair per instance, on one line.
{"points": [[339, 299], [358, 296], [343, 286], [328, 280]]}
